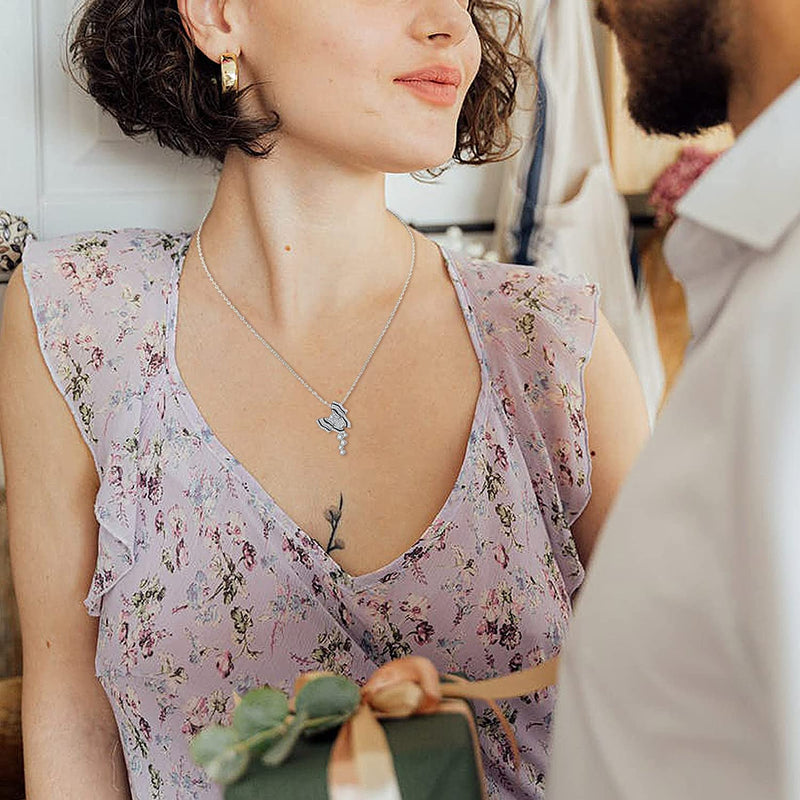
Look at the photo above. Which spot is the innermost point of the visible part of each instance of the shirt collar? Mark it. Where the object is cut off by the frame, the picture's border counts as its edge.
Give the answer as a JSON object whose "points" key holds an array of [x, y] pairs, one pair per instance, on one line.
{"points": [[747, 201], [752, 193]]}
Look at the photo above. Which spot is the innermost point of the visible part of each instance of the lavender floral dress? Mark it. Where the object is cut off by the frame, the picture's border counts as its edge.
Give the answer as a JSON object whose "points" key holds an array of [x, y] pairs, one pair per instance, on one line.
{"points": [[205, 587]]}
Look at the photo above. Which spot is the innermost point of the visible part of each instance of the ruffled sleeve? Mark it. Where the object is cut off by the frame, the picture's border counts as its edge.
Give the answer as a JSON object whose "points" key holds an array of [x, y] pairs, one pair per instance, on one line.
{"points": [[92, 310], [538, 330]]}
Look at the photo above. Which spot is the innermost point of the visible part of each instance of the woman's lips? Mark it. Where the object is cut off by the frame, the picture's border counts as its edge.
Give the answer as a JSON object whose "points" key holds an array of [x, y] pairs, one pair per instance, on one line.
{"points": [[439, 94], [437, 85]]}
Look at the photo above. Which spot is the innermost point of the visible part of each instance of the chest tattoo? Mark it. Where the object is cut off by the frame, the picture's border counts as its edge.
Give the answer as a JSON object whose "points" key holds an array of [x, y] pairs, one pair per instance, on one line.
{"points": [[334, 516]]}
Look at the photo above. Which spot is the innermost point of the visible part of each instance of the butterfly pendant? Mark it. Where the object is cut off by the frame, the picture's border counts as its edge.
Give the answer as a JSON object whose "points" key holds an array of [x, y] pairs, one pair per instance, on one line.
{"points": [[337, 421]]}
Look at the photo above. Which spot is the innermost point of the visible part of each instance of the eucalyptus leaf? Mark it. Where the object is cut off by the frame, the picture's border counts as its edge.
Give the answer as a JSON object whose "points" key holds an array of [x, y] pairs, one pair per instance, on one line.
{"points": [[259, 742], [221, 754], [322, 724], [210, 742], [260, 710], [328, 696], [280, 750]]}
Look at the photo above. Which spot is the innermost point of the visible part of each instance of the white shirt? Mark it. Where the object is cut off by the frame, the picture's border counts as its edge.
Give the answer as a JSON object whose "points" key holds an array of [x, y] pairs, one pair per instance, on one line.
{"points": [[681, 676]]}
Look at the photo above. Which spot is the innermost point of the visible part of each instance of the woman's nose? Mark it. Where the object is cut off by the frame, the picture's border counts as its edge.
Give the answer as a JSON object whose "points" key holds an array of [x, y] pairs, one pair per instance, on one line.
{"points": [[442, 21]]}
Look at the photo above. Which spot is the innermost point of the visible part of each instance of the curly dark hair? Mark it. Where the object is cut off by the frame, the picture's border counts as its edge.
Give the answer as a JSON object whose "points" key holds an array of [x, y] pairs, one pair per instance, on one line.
{"points": [[137, 61]]}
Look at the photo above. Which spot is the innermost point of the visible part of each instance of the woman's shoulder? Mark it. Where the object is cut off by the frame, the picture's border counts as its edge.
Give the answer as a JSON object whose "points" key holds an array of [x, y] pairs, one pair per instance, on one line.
{"points": [[538, 329], [114, 286], [97, 264], [520, 304], [101, 305]]}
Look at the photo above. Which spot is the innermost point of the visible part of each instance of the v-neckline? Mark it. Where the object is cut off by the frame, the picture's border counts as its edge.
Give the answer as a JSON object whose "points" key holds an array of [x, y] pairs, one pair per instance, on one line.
{"points": [[259, 492]]}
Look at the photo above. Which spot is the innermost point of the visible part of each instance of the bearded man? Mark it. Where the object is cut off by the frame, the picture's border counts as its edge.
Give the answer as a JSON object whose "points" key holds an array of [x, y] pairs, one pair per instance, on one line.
{"points": [[681, 676]]}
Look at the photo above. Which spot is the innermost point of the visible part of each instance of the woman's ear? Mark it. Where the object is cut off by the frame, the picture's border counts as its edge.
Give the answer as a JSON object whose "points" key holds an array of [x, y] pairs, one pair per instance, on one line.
{"points": [[206, 23]]}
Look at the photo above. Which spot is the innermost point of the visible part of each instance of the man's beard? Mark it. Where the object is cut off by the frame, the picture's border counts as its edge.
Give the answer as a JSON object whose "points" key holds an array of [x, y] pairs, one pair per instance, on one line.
{"points": [[679, 75]]}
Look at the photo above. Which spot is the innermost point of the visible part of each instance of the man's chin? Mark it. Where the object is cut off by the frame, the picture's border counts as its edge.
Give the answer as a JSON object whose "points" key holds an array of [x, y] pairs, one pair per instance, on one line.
{"points": [[661, 113], [601, 13]]}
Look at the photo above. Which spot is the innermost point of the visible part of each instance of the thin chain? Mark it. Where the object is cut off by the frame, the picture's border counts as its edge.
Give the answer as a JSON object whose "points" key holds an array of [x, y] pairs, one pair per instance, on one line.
{"points": [[275, 353]]}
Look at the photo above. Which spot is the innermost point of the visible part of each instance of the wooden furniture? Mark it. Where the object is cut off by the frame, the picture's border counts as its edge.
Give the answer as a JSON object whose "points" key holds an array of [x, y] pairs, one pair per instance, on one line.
{"points": [[11, 776], [10, 643], [12, 783], [669, 309]]}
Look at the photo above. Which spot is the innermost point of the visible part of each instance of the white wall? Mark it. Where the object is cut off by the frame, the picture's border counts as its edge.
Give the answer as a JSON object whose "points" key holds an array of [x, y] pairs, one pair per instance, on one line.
{"points": [[462, 195]]}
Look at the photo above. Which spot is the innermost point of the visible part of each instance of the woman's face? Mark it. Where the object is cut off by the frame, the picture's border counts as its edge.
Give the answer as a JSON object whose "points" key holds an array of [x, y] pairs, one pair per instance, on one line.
{"points": [[374, 84]]}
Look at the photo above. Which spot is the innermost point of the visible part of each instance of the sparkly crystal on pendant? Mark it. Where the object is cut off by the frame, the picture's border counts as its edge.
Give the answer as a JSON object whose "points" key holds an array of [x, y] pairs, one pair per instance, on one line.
{"points": [[337, 421]]}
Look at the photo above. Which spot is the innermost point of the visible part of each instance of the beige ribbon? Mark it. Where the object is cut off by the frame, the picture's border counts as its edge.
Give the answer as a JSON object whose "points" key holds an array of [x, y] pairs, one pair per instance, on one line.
{"points": [[360, 766]]}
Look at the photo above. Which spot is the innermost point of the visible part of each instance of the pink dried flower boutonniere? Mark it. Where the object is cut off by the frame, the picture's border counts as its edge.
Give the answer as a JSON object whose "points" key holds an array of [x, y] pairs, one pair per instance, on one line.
{"points": [[676, 180]]}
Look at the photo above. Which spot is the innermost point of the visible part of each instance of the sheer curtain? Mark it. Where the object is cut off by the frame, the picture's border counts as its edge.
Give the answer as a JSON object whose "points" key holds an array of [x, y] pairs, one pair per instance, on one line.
{"points": [[559, 207]]}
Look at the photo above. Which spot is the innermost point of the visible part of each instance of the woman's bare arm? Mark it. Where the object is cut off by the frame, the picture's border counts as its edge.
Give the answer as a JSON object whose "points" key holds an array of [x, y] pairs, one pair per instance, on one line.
{"points": [[72, 748], [616, 416]]}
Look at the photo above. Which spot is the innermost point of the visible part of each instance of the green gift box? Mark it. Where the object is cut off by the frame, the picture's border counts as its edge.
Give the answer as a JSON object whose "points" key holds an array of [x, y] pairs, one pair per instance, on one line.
{"points": [[275, 748], [407, 733], [434, 758]]}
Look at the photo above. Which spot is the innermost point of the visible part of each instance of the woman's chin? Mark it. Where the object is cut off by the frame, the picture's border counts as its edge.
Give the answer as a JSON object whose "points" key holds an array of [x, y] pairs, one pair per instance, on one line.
{"points": [[420, 159]]}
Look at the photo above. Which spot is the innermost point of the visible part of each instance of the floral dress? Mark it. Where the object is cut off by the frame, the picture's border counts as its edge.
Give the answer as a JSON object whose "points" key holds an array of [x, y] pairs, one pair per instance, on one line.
{"points": [[205, 587]]}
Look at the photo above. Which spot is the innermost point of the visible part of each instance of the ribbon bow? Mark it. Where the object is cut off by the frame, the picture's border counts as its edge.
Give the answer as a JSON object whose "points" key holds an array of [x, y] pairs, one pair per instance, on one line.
{"points": [[360, 763]]}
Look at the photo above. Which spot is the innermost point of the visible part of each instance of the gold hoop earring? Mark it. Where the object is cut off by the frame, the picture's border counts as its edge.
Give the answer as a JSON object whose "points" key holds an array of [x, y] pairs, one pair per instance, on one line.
{"points": [[229, 67]]}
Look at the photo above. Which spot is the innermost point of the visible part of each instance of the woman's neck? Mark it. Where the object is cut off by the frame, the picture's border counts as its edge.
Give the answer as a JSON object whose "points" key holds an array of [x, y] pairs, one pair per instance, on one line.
{"points": [[299, 235]]}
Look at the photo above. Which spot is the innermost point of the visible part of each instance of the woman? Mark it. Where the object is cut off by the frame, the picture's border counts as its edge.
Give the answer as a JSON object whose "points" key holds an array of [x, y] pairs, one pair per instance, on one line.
{"points": [[246, 533]]}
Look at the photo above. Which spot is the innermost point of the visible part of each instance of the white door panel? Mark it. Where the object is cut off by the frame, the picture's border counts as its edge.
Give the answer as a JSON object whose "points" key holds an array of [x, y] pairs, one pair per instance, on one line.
{"points": [[92, 176], [18, 163]]}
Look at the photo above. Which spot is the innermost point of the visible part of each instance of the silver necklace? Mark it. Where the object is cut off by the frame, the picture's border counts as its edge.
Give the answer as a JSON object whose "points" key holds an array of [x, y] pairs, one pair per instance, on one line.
{"points": [[338, 420]]}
